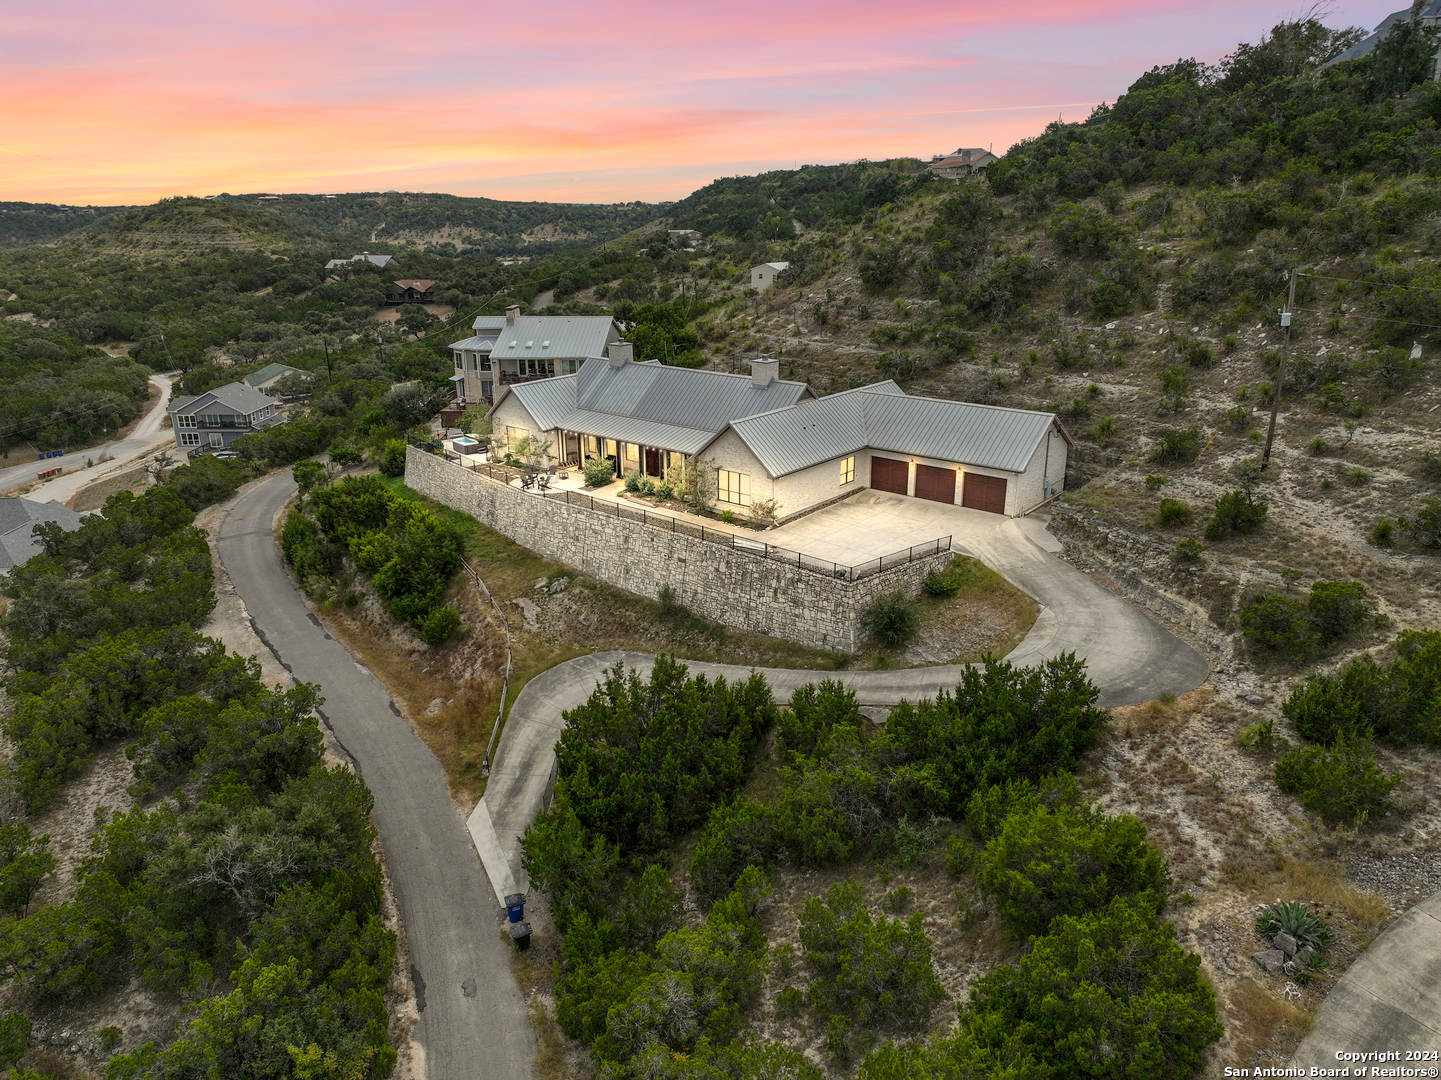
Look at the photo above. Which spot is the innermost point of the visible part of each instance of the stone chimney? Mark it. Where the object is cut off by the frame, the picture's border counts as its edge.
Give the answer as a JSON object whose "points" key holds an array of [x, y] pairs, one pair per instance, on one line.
{"points": [[764, 371], [618, 352], [511, 314]]}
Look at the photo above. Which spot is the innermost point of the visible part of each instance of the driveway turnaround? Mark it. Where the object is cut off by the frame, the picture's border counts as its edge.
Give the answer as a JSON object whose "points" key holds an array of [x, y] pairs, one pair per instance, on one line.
{"points": [[473, 1019], [1389, 1000], [1129, 656], [151, 431]]}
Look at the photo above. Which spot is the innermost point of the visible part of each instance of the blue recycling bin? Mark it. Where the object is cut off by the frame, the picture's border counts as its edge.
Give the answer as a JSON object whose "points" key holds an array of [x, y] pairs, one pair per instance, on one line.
{"points": [[515, 906]]}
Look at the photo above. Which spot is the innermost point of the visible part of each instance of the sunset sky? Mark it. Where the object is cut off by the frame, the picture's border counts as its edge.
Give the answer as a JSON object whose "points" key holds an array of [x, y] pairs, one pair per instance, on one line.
{"points": [[565, 100]]}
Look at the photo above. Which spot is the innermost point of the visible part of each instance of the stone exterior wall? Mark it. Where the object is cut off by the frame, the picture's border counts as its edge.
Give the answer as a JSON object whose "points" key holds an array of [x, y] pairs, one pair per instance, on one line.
{"points": [[730, 586]]}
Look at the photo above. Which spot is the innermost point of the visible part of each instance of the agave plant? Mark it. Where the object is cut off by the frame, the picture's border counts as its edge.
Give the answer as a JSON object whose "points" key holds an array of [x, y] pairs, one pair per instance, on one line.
{"points": [[1296, 919]]}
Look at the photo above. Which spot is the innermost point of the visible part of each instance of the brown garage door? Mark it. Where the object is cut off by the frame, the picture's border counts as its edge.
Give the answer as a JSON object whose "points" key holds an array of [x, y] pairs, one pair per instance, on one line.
{"points": [[888, 474], [986, 493], [938, 485]]}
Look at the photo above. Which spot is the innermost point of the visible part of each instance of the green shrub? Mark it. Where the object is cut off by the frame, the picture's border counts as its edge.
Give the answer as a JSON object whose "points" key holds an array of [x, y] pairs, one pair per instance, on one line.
{"points": [[24, 861], [1382, 534], [1295, 918], [1424, 527], [208, 480], [875, 971], [892, 620], [651, 907], [942, 583], [815, 710], [1188, 552], [1337, 609], [1107, 994], [1236, 512], [988, 808], [1154, 482], [15, 1039], [1172, 512], [439, 625], [1082, 230], [1400, 702], [392, 461], [634, 480], [1173, 446], [790, 1002], [598, 471], [1260, 736], [1342, 782], [1277, 623], [738, 835], [1197, 354], [1070, 860]]}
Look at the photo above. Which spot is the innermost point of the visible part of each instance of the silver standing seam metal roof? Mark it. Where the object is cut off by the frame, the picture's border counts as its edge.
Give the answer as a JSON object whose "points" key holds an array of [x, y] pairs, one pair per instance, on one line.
{"points": [[884, 418], [671, 408], [269, 371], [1431, 11], [18, 518], [572, 337]]}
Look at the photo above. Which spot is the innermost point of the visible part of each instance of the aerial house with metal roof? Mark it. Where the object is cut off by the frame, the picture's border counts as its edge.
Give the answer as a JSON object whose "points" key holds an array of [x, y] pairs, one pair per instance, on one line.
{"points": [[764, 438], [516, 348]]}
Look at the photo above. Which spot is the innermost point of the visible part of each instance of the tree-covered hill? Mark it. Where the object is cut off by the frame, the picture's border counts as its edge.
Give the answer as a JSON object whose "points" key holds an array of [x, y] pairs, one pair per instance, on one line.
{"points": [[22, 224]]}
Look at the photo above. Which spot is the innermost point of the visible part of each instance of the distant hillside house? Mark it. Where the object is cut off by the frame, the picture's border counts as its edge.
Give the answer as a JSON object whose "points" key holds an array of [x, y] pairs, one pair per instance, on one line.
{"points": [[269, 375], [764, 275], [410, 291], [18, 518], [688, 237], [382, 261], [962, 164], [514, 348], [215, 419], [762, 437], [1430, 16]]}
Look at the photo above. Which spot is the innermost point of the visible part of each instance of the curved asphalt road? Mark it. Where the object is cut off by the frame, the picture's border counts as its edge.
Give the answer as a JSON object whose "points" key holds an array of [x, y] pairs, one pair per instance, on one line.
{"points": [[1129, 656], [473, 1020]]}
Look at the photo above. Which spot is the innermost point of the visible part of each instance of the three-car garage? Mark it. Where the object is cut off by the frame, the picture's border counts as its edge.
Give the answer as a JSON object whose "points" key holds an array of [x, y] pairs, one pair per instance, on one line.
{"points": [[937, 484]]}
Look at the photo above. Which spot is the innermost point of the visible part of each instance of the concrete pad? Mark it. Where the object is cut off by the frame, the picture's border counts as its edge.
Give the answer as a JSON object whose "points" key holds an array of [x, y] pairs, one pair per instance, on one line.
{"points": [[1390, 999], [1038, 530]]}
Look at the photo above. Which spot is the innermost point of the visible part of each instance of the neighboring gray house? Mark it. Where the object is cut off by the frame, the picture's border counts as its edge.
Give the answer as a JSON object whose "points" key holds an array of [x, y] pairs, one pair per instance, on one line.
{"points": [[18, 518], [269, 375], [1430, 15], [381, 261], [764, 275], [215, 419], [962, 165], [768, 438], [515, 348]]}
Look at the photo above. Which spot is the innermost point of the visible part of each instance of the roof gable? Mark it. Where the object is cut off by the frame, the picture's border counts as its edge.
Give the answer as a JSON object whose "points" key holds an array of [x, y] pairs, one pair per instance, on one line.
{"points": [[235, 396], [572, 336]]}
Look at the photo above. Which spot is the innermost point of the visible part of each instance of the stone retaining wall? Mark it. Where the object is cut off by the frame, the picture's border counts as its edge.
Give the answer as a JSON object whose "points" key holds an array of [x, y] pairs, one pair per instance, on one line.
{"points": [[730, 586]]}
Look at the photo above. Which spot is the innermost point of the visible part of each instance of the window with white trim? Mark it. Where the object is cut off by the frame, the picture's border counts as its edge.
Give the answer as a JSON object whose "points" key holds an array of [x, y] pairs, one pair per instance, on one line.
{"points": [[185, 421], [848, 470], [190, 438], [733, 487], [217, 439]]}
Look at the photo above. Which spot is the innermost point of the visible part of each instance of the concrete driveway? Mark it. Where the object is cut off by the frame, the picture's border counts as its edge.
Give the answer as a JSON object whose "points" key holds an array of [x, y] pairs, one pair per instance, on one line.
{"points": [[1130, 657], [875, 523]]}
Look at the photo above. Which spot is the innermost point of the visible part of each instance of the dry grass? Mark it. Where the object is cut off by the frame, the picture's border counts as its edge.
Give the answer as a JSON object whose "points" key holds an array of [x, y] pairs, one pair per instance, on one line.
{"points": [[1282, 875], [1260, 1022]]}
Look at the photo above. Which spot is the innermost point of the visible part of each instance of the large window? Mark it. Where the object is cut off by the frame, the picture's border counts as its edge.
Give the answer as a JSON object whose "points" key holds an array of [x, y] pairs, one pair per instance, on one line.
{"points": [[733, 487], [569, 367], [848, 470], [190, 438], [217, 439], [185, 421]]}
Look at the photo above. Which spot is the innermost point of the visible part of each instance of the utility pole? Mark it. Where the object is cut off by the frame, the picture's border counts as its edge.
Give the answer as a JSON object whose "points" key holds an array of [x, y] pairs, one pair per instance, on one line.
{"points": [[1280, 371], [380, 347]]}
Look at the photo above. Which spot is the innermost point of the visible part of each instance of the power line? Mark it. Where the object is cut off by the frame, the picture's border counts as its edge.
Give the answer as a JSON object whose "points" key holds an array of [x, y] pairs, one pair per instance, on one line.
{"points": [[1375, 284], [1373, 318]]}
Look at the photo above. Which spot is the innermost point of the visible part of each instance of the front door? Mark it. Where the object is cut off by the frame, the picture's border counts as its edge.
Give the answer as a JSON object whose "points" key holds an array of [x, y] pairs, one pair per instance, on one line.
{"points": [[888, 474], [652, 461]]}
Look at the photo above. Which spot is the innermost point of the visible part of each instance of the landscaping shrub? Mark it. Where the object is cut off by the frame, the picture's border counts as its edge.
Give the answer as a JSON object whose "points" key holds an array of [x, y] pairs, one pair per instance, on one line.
{"points": [[1046, 862], [988, 808], [1337, 609], [1296, 919], [1342, 782], [1172, 512], [1236, 513], [1277, 623], [872, 970], [892, 620], [598, 471], [1173, 446], [815, 709], [440, 625], [941, 583], [1188, 552], [738, 835], [634, 480], [392, 460]]}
